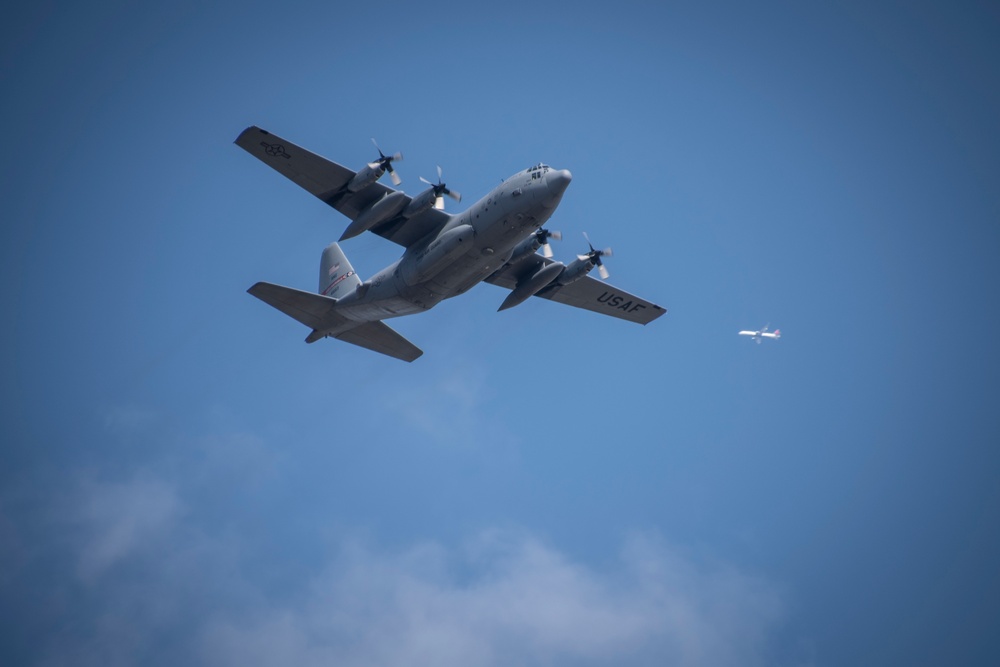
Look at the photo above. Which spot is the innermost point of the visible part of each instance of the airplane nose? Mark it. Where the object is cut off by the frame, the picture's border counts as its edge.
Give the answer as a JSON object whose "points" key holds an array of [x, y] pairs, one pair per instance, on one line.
{"points": [[558, 180]]}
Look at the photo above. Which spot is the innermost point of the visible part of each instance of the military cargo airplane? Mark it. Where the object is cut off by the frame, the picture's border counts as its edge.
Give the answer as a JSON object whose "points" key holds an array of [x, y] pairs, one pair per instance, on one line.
{"points": [[445, 255], [763, 333]]}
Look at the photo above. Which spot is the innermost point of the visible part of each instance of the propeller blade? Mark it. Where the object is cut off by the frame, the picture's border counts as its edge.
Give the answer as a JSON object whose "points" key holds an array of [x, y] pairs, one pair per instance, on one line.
{"points": [[385, 162], [595, 257], [543, 235], [440, 190], [395, 156]]}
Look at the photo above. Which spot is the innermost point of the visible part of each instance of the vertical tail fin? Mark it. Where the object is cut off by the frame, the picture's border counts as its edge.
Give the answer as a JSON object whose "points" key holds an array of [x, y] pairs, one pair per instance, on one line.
{"points": [[337, 278]]}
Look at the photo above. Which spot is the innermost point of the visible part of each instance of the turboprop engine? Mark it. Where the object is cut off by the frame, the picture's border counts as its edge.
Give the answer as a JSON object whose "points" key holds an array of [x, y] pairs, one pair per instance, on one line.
{"points": [[422, 202], [432, 197], [553, 272], [373, 171], [582, 265], [528, 246]]}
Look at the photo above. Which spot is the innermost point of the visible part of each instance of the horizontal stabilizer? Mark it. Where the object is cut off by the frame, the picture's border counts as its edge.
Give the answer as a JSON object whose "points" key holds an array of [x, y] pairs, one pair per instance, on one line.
{"points": [[318, 313], [313, 310], [379, 337]]}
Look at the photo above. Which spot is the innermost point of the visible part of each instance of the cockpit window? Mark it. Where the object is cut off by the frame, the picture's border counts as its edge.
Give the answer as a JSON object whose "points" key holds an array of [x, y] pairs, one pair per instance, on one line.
{"points": [[538, 170]]}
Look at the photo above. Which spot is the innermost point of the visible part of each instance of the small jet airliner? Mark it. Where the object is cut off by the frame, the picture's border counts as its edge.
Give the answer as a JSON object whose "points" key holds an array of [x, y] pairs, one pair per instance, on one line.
{"points": [[763, 333], [445, 254]]}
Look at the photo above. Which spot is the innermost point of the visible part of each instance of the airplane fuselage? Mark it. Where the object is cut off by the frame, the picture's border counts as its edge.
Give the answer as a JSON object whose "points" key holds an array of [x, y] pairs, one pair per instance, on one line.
{"points": [[470, 247], [763, 333]]}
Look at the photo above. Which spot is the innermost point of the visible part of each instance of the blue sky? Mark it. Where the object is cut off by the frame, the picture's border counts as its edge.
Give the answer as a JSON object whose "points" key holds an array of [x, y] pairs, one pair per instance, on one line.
{"points": [[185, 481]]}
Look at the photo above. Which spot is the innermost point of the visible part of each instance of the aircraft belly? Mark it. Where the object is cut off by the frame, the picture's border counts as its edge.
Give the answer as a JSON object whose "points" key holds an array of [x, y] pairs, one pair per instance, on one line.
{"points": [[381, 309], [399, 306], [504, 231], [466, 272]]}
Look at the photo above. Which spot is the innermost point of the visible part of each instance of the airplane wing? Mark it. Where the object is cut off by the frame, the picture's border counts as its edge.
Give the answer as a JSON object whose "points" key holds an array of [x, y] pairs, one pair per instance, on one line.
{"points": [[318, 313], [588, 293], [327, 180]]}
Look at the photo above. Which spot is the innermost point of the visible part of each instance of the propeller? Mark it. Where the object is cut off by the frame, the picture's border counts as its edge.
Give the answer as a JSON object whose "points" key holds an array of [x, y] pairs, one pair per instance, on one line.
{"points": [[543, 236], [385, 162], [441, 189], [595, 257]]}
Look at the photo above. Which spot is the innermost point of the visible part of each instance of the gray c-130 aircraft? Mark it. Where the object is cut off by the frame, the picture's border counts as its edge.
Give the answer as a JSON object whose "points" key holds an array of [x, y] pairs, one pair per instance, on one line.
{"points": [[495, 240]]}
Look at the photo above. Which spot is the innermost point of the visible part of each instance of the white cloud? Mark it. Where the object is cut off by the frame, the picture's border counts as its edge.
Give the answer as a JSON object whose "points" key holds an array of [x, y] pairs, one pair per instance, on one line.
{"points": [[183, 589], [521, 602], [118, 518]]}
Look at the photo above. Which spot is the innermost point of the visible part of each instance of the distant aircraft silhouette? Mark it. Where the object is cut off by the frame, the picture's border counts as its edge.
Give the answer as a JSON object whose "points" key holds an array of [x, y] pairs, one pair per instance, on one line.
{"points": [[763, 333]]}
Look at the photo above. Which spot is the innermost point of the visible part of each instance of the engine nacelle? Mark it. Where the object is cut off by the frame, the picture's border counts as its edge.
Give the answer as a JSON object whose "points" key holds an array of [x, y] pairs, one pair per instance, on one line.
{"points": [[422, 202], [533, 284], [525, 248], [380, 211], [369, 174], [430, 261], [575, 270]]}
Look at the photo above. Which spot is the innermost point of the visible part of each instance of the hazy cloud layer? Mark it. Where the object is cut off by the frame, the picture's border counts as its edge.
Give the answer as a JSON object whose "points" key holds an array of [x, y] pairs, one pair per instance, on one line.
{"points": [[507, 599], [170, 568], [148, 586], [119, 518]]}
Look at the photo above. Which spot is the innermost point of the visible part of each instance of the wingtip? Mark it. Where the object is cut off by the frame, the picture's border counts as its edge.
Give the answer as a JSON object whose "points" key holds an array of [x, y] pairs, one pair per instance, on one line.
{"points": [[246, 132]]}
